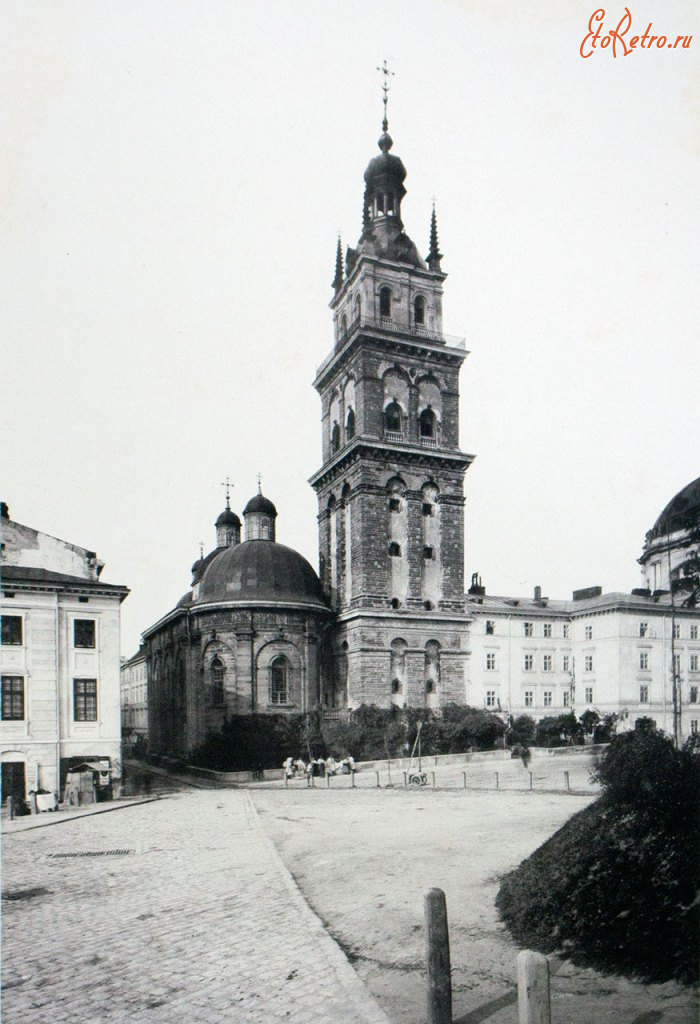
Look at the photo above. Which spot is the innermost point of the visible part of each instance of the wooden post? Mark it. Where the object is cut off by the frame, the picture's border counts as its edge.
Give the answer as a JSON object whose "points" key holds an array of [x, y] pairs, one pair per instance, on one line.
{"points": [[465, 779], [437, 949], [11, 806], [378, 784], [566, 780], [533, 988], [286, 780], [328, 781], [433, 775], [496, 774], [405, 780], [530, 774]]}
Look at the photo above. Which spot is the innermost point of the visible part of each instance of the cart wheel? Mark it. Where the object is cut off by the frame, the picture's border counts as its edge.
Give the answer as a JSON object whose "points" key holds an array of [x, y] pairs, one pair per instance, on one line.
{"points": [[415, 780]]}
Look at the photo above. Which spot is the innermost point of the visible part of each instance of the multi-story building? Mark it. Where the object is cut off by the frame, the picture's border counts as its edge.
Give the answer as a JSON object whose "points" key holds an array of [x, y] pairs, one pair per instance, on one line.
{"points": [[634, 655], [134, 703], [59, 660]]}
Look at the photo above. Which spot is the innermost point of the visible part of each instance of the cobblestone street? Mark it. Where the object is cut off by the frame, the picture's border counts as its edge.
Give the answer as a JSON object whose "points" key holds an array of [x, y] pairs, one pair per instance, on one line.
{"points": [[177, 910]]}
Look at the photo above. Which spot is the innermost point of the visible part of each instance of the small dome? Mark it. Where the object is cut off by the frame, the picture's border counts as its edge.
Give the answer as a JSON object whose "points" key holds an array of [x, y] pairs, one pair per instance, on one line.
{"points": [[252, 573], [228, 518], [259, 503], [681, 512]]}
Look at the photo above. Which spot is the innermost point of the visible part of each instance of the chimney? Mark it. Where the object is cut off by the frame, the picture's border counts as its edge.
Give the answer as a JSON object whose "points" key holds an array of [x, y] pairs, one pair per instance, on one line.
{"points": [[538, 593], [4, 510]]}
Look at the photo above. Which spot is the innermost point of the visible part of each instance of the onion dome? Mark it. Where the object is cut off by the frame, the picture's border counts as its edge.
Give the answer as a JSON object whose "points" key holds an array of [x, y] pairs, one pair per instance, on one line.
{"points": [[261, 574], [259, 503], [228, 518]]}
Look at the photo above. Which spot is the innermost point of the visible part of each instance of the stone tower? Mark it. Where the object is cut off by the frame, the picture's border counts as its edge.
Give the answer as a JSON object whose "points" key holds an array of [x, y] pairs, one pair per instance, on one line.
{"points": [[390, 490]]}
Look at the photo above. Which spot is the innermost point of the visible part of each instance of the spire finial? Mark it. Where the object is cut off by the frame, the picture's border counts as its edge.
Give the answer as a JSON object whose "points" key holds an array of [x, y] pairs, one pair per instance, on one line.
{"points": [[337, 281], [385, 89], [259, 484], [201, 549], [228, 485], [434, 256]]}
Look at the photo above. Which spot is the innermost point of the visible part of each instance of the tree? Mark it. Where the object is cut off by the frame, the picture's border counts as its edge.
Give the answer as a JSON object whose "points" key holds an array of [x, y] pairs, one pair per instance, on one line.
{"points": [[522, 731], [557, 731], [589, 720]]}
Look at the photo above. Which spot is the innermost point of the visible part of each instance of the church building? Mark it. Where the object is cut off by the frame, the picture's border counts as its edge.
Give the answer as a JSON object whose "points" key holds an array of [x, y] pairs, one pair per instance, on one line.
{"points": [[259, 631]]}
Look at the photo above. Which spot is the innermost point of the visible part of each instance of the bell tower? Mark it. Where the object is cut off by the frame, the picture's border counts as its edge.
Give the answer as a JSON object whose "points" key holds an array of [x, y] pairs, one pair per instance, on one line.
{"points": [[390, 490]]}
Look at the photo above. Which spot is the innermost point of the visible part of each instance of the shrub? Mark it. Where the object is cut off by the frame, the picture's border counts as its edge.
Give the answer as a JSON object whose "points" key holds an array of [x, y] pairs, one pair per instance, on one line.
{"points": [[615, 888]]}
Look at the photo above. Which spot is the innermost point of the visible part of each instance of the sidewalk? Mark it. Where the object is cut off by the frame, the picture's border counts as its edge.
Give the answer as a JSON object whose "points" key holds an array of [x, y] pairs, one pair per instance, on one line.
{"points": [[178, 912]]}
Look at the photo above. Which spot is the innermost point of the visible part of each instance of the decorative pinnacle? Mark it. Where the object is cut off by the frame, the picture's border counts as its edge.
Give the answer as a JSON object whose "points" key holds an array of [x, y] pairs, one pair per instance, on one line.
{"points": [[385, 89], [434, 256], [228, 485], [337, 282]]}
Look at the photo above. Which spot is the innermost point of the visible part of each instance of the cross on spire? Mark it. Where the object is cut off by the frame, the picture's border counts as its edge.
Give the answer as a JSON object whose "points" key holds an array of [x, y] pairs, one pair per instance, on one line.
{"points": [[228, 485], [385, 89], [259, 484]]}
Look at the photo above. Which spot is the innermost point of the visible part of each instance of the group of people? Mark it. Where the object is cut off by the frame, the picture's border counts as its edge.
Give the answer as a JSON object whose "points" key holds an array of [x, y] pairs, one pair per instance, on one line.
{"points": [[318, 767]]}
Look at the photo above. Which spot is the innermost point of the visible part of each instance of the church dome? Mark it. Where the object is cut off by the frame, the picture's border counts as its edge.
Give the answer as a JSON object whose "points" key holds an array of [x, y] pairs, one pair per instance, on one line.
{"points": [[267, 573], [259, 503], [681, 512], [228, 518]]}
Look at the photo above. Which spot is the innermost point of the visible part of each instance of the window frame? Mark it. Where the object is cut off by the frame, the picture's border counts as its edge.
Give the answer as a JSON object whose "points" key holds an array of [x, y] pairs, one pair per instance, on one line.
{"points": [[6, 631], [279, 695], [80, 624], [85, 708], [13, 696]]}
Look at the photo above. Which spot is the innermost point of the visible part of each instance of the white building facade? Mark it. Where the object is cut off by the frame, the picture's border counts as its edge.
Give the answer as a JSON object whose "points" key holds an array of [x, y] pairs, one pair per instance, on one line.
{"points": [[59, 661], [632, 655]]}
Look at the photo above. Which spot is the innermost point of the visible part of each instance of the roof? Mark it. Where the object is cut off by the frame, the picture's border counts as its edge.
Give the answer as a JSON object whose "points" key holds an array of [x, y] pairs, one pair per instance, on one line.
{"points": [[228, 518], [261, 572], [259, 503], [44, 579], [546, 608], [681, 513]]}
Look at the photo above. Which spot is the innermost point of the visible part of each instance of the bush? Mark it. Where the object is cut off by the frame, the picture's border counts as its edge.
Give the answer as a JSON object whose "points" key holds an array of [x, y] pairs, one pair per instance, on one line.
{"points": [[616, 887], [557, 731], [522, 730]]}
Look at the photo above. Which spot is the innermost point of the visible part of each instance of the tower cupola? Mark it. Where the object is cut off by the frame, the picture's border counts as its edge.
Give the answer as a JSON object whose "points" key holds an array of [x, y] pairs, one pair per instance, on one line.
{"points": [[260, 515], [228, 528]]}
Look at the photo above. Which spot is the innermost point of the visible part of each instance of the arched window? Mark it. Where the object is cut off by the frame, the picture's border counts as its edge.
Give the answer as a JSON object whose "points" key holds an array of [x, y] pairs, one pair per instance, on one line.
{"points": [[427, 423], [385, 301], [430, 686], [279, 683], [357, 307], [419, 310], [350, 425], [392, 418], [343, 325], [396, 686], [335, 437], [217, 681], [395, 603], [394, 549]]}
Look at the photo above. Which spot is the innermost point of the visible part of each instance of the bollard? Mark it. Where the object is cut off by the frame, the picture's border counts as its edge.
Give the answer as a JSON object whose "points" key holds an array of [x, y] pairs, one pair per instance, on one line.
{"points": [[328, 782], [533, 988], [405, 780], [465, 779], [352, 777], [496, 774], [437, 950], [433, 775], [11, 806], [566, 781], [377, 774], [286, 780], [530, 774]]}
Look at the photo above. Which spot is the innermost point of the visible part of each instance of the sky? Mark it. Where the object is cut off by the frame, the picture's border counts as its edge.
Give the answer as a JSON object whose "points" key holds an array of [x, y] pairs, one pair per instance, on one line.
{"points": [[173, 179]]}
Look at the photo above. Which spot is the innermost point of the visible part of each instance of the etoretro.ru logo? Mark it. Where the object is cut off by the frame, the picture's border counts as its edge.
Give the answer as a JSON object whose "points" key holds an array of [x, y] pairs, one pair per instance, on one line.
{"points": [[621, 37]]}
